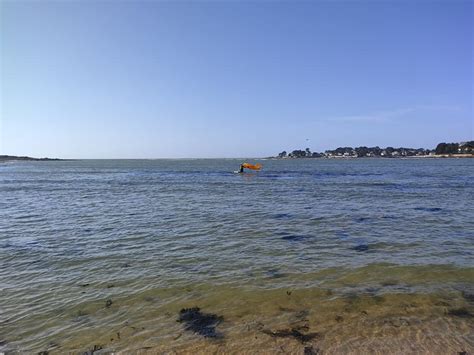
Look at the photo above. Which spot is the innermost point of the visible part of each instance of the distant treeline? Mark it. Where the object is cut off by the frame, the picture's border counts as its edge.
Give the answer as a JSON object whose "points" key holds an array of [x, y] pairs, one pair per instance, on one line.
{"points": [[455, 148], [388, 152]]}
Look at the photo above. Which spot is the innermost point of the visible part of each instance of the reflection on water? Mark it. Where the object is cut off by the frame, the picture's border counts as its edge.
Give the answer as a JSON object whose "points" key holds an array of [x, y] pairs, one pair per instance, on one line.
{"points": [[304, 257]]}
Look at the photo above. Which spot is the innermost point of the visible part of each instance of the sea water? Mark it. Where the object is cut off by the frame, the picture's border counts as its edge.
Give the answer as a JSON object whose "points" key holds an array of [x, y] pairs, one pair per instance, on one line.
{"points": [[305, 256]]}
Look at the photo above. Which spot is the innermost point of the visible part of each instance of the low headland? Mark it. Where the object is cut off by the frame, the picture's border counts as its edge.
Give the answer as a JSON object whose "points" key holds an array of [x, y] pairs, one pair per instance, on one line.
{"points": [[5, 158], [442, 150]]}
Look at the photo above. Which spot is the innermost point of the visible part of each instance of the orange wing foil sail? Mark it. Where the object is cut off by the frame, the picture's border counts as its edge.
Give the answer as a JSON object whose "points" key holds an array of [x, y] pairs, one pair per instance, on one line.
{"points": [[253, 167]]}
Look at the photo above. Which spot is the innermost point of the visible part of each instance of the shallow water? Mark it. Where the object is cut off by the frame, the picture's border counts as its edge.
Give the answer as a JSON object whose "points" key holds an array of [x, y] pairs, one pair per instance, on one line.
{"points": [[368, 255]]}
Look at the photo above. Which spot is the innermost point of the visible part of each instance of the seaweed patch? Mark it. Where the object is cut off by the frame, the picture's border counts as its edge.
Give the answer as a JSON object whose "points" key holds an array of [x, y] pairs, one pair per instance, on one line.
{"points": [[388, 283], [282, 216], [309, 350], [200, 323], [291, 333], [460, 312], [294, 238], [428, 209], [361, 247], [93, 350], [274, 273], [468, 296]]}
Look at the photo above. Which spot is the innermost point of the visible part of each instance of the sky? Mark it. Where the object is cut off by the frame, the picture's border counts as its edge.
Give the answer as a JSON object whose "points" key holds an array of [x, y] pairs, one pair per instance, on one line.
{"points": [[179, 79]]}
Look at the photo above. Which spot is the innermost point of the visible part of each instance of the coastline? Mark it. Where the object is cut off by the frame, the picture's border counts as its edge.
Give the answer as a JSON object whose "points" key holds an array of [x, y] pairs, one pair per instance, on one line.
{"points": [[434, 156], [442, 150], [7, 158], [455, 156]]}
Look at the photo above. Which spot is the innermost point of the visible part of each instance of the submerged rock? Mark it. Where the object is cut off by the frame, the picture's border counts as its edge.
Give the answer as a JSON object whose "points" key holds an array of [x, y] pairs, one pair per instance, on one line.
{"points": [[203, 324]]}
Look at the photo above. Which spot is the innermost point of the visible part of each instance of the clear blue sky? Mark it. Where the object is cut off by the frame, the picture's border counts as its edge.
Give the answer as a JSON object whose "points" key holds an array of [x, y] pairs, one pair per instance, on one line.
{"points": [[91, 79]]}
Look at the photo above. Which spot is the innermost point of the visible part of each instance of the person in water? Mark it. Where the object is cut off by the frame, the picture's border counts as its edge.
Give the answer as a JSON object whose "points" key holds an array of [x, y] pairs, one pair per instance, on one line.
{"points": [[241, 170]]}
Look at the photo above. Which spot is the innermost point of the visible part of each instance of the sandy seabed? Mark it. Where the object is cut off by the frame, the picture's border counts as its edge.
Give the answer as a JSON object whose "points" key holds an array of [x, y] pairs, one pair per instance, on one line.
{"points": [[299, 322]]}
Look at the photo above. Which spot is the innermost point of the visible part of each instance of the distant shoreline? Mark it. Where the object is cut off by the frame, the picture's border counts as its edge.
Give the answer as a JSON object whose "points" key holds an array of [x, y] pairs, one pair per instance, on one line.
{"points": [[442, 150], [13, 158], [5, 158], [434, 156], [457, 156]]}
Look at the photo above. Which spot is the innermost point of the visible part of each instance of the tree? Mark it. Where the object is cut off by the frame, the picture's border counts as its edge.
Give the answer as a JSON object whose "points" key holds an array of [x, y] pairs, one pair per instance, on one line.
{"points": [[467, 147], [298, 153], [376, 150], [282, 154], [447, 148], [362, 151], [440, 148]]}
